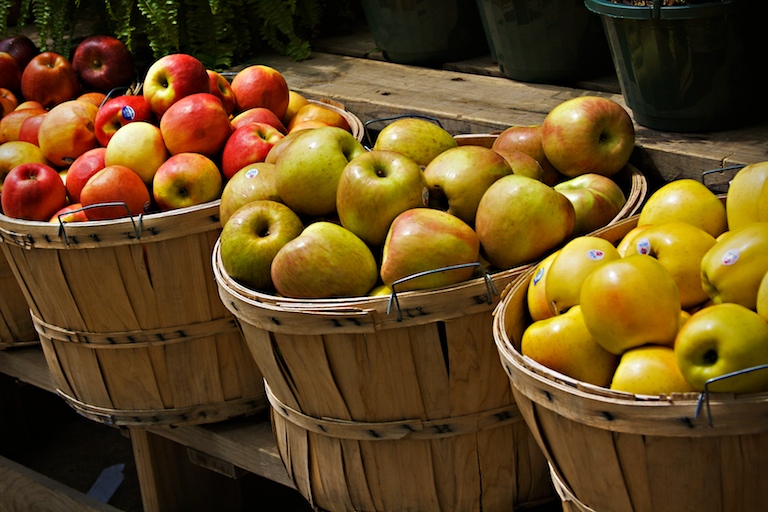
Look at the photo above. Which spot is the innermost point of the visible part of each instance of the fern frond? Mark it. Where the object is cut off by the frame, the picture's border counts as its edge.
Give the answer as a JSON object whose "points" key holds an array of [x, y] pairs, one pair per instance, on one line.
{"points": [[163, 17]]}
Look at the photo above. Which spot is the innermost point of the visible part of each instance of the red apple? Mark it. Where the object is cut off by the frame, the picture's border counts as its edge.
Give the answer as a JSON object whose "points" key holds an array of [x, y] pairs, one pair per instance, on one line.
{"points": [[21, 48], [8, 101], [30, 129], [81, 170], [222, 89], [588, 134], [33, 191], [114, 184], [186, 179], [50, 79], [71, 213], [93, 97], [102, 63], [258, 115], [261, 86], [596, 200], [173, 77], [248, 144], [10, 73], [67, 132], [10, 124], [196, 123], [119, 111], [527, 139]]}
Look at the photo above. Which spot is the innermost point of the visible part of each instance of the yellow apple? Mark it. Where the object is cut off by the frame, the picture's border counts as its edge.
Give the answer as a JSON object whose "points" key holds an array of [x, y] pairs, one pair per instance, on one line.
{"points": [[685, 200], [747, 199], [722, 339], [138, 146], [624, 244], [574, 262], [563, 344], [538, 307], [732, 269], [680, 247], [631, 302], [295, 102], [649, 370], [762, 298]]}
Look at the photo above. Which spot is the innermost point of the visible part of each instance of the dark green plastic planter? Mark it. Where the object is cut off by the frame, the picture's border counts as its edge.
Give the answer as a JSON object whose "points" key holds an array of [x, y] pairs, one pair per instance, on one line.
{"points": [[690, 68], [426, 32], [546, 41]]}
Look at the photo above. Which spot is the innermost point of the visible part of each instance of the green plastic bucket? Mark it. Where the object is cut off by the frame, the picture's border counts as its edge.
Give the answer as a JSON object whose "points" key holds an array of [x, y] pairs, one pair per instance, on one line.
{"points": [[546, 41], [426, 32], [689, 68]]}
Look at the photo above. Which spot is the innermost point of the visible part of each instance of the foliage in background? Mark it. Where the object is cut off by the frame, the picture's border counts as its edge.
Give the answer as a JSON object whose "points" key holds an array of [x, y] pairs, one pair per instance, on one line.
{"points": [[221, 33]]}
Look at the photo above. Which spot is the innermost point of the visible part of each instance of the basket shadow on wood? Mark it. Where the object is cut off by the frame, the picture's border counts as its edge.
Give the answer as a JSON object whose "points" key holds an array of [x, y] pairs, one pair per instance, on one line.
{"points": [[129, 318], [619, 452]]}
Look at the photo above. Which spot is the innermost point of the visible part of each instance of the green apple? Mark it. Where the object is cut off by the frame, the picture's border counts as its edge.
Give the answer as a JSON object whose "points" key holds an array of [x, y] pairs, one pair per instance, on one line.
{"points": [[649, 370], [680, 247], [458, 177], [732, 269], [325, 260], [596, 199], [685, 200], [251, 183], [309, 169], [536, 294], [520, 219], [252, 237], [762, 298], [575, 261], [375, 187], [721, 339], [425, 239], [527, 138], [420, 139], [588, 134], [747, 199], [631, 302], [564, 344], [521, 163]]}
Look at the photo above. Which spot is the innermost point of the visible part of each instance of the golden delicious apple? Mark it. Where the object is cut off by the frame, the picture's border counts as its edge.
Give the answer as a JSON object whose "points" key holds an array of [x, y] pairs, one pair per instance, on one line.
{"points": [[762, 298], [680, 247], [722, 339], [624, 244], [138, 146], [649, 370], [732, 269], [685, 200], [564, 344], [536, 295], [630, 302], [747, 199], [575, 261]]}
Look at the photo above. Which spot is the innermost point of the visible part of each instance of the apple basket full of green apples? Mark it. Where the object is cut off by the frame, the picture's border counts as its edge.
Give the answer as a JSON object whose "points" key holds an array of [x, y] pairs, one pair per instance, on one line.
{"points": [[110, 211], [638, 354], [365, 295]]}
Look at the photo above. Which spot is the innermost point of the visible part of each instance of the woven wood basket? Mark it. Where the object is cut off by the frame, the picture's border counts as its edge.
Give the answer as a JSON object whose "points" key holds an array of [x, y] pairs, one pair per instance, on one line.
{"points": [[620, 452], [406, 409], [16, 328], [129, 318]]}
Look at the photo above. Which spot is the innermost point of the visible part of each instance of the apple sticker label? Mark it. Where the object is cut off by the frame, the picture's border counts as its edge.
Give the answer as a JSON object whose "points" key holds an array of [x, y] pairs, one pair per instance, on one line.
{"points": [[643, 246], [731, 256], [251, 173], [595, 254], [128, 113], [538, 276]]}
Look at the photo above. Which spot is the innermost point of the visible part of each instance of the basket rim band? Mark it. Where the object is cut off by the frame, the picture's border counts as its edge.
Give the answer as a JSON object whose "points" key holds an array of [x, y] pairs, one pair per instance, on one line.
{"points": [[136, 339], [412, 429]]}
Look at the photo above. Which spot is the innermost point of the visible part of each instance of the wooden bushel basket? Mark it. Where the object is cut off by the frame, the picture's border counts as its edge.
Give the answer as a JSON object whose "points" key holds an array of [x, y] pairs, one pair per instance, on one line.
{"points": [[16, 328], [129, 318], [619, 452], [406, 409]]}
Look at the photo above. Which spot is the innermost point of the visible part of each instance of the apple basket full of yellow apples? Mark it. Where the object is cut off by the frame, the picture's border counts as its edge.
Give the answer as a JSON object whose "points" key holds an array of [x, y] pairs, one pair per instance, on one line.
{"points": [[638, 354]]}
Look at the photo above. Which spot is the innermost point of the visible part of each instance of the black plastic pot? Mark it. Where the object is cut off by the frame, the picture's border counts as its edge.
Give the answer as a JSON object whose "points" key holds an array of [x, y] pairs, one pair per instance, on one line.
{"points": [[546, 41], [426, 32], [689, 68]]}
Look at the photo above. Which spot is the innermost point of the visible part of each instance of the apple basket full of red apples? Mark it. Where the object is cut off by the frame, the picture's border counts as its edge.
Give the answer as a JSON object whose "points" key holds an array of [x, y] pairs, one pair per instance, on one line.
{"points": [[642, 372]]}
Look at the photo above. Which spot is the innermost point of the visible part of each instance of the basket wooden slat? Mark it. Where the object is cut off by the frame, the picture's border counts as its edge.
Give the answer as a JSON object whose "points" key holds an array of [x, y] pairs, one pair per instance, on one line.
{"points": [[130, 320], [374, 413], [620, 452], [16, 328]]}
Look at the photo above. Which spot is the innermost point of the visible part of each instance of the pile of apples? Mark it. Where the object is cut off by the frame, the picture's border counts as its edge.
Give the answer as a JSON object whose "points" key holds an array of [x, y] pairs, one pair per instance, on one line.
{"points": [[678, 304], [418, 210], [80, 140]]}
